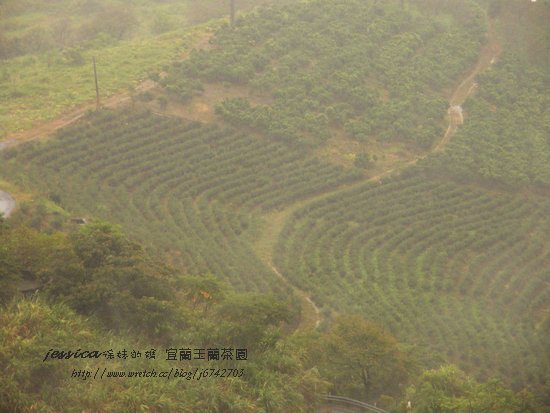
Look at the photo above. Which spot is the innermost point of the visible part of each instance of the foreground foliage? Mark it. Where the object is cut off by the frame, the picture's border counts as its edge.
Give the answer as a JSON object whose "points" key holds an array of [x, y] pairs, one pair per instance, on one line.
{"points": [[105, 293], [448, 389]]}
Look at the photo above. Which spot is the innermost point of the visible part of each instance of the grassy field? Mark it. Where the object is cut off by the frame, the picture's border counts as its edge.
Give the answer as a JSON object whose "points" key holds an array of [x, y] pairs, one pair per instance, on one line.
{"points": [[39, 88]]}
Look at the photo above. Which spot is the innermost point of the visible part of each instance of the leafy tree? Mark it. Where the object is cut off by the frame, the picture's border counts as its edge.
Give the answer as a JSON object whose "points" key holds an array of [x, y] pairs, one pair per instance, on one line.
{"points": [[98, 241], [448, 389], [202, 291], [26, 254], [362, 359], [253, 320]]}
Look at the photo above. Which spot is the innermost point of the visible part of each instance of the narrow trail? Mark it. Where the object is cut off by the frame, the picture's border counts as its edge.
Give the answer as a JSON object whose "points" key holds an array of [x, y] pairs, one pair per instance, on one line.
{"points": [[488, 55], [275, 222], [307, 316]]}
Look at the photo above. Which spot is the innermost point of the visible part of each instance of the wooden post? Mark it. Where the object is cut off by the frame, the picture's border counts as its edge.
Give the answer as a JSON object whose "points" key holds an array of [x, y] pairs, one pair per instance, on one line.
{"points": [[232, 13], [96, 86]]}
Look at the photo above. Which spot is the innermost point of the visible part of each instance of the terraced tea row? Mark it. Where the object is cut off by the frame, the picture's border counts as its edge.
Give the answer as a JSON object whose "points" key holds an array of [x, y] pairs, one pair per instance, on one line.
{"points": [[460, 270], [194, 191]]}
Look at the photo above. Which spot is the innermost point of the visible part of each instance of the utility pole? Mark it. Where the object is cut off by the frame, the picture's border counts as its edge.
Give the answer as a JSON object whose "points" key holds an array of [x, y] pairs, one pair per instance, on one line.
{"points": [[96, 86], [232, 13]]}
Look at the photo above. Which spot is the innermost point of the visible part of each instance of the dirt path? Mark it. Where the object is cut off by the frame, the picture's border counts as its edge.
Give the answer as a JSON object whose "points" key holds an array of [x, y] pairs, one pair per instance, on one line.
{"points": [[48, 128], [308, 317], [488, 55], [276, 221]]}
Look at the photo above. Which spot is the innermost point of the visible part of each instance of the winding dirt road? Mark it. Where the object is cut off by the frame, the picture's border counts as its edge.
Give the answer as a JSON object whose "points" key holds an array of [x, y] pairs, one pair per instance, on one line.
{"points": [[275, 222], [488, 55]]}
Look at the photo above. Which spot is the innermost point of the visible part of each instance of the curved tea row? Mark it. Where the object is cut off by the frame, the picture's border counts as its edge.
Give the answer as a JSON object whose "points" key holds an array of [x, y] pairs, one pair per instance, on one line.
{"points": [[449, 266], [194, 191]]}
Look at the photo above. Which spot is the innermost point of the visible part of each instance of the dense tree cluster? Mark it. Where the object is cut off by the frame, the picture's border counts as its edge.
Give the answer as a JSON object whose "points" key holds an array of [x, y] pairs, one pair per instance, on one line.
{"points": [[103, 291], [375, 69], [448, 389]]}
